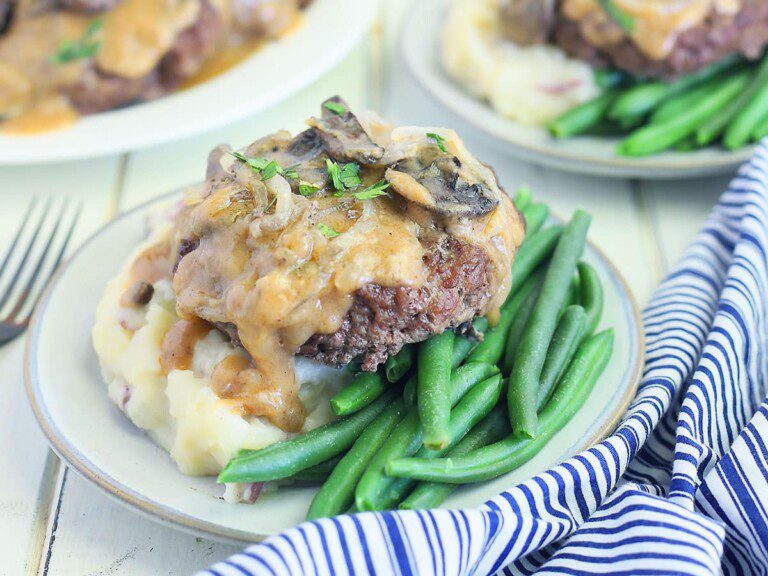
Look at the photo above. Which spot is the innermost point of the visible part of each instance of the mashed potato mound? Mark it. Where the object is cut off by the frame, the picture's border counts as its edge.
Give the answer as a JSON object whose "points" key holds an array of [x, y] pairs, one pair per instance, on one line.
{"points": [[531, 84], [180, 411]]}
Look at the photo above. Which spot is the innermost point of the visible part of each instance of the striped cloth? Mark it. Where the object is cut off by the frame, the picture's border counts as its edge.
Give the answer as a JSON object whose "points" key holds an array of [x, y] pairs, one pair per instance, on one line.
{"points": [[681, 487]]}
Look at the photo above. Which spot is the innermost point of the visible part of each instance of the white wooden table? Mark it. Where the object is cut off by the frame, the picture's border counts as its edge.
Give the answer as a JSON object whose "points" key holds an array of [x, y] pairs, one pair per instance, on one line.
{"points": [[51, 521]]}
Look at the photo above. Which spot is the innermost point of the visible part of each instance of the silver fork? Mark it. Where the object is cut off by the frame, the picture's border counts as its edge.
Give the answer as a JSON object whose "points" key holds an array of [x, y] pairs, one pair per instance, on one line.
{"points": [[31, 260]]}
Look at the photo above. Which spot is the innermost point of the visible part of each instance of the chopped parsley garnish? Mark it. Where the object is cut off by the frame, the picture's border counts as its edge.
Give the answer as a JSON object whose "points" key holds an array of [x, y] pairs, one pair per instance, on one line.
{"points": [[327, 231], [336, 108], [373, 191], [271, 203], [345, 178], [439, 140], [308, 189], [267, 168], [619, 16], [84, 47]]}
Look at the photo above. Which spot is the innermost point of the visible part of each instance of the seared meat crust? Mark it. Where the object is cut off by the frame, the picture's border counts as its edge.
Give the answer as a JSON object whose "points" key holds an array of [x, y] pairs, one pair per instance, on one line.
{"points": [[383, 319], [720, 36]]}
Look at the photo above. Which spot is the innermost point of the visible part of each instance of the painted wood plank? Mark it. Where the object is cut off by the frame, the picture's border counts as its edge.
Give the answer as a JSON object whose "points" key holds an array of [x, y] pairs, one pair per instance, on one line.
{"points": [[95, 535], [28, 474], [678, 209]]}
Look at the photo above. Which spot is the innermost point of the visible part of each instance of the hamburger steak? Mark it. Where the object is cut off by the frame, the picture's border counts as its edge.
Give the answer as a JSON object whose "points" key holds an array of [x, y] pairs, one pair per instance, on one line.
{"points": [[718, 36], [662, 41], [345, 242], [382, 319]]}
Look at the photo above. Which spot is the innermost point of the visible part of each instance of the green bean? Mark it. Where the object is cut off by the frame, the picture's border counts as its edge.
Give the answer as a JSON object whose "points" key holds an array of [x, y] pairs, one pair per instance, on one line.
{"points": [[535, 217], [517, 328], [494, 427], [398, 365], [534, 250], [285, 459], [591, 296], [639, 100], [432, 389], [318, 473], [739, 131], [409, 391], [718, 124], [463, 346], [573, 294], [522, 198], [658, 137], [568, 335], [363, 389], [491, 349], [610, 78], [531, 353], [502, 457], [472, 408], [338, 492], [678, 104], [643, 98], [687, 144], [462, 379], [376, 491], [582, 118]]}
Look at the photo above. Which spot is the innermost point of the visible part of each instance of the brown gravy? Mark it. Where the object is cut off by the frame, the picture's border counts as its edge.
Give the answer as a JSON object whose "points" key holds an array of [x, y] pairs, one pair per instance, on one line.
{"points": [[657, 23], [235, 379], [179, 344]]}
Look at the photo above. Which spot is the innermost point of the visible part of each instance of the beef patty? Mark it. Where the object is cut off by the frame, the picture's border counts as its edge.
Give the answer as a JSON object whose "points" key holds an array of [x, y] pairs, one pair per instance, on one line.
{"points": [[98, 91], [383, 319], [719, 36]]}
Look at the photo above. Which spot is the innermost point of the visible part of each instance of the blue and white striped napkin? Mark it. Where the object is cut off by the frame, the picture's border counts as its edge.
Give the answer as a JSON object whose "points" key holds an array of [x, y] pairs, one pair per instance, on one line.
{"points": [[681, 487]]}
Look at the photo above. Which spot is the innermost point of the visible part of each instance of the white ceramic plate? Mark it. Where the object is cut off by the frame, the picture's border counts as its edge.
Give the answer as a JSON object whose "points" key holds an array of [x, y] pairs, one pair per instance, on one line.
{"points": [[95, 438], [273, 73], [420, 46]]}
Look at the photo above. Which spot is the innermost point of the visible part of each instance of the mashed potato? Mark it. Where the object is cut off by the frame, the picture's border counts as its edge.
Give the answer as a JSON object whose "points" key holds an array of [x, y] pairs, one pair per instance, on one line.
{"points": [[529, 84], [180, 411]]}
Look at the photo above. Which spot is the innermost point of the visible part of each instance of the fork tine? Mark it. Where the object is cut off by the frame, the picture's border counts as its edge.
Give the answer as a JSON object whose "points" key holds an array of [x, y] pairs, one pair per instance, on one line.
{"points": [[19, 232], [20, 267], [28, 288], [56, 263]]}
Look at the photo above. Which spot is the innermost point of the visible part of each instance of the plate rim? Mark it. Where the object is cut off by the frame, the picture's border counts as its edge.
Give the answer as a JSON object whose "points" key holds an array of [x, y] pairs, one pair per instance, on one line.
{"points": [[614, 167], [74, 459], [64, 151]]}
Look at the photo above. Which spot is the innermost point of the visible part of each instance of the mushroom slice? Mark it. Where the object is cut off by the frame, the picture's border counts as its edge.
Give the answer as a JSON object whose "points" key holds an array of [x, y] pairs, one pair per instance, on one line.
{"points": [[441, 186], [304, 153], [343, 135], [527, 22]]}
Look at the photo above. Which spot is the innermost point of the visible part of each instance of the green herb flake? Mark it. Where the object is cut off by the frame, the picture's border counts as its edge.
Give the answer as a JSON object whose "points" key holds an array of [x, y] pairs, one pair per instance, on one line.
{"points": [[373, 191], [343, 179], [439, 140], [308, 189], [271, 203], [269, 171], [336, 108], [327, 231], [619, 16], [267, 168], [83, 47]]}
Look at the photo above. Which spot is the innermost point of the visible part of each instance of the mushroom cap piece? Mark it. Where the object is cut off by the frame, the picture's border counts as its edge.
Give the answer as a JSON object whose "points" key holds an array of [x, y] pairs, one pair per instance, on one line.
{"points": [[450, 182], [343, 135]]}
